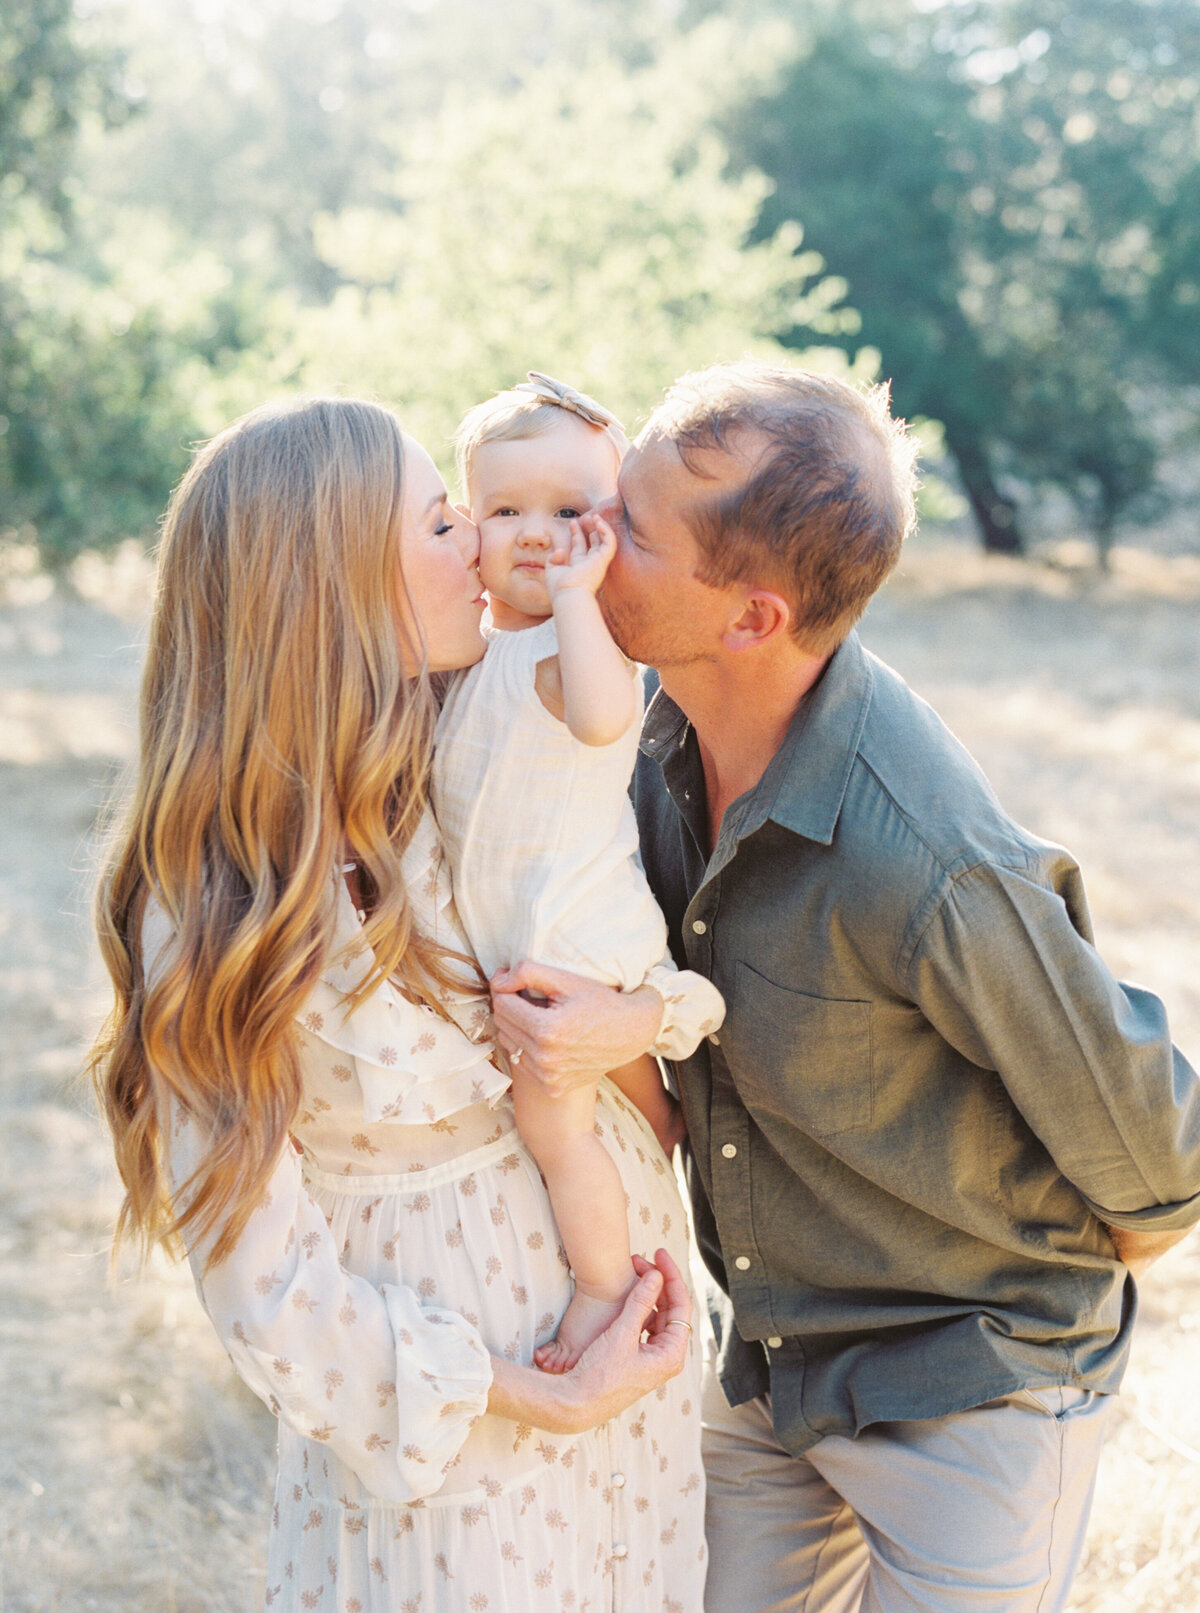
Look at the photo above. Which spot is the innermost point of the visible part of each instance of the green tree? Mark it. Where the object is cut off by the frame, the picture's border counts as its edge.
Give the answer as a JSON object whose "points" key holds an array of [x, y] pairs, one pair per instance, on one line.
{"points": [[1009, 191], [112, 335], [581, 222]]}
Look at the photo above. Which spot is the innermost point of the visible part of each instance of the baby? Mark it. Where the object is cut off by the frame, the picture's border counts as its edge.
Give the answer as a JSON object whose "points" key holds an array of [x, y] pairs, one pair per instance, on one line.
{"points": [[535, 749]]}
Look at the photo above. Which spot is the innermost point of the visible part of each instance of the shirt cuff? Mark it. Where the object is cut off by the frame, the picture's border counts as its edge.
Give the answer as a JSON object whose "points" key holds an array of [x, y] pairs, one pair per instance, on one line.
{"points": [[692, 1009], [1155, 1218]]}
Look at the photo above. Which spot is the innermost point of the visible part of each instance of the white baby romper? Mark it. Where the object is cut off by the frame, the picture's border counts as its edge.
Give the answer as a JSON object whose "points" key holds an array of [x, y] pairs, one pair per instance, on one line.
{"points": [[542, 841]]}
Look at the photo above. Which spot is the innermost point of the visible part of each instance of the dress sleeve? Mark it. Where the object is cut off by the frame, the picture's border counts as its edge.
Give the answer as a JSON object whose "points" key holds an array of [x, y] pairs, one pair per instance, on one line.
{"points": [[692, 1009], [390, 1385], [1006, 972]]}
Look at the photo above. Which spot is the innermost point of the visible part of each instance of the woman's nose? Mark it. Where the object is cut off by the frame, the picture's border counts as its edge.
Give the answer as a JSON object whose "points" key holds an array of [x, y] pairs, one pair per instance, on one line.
{"points": [[467, 535]]}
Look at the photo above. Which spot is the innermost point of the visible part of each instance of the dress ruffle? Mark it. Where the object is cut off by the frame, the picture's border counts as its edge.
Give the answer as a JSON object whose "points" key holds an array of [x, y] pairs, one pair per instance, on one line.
{"points": [[414, 1066]]}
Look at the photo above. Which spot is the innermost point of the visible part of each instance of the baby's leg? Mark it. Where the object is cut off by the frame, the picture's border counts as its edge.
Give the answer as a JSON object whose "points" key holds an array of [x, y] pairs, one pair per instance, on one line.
{"points": [[588, 1201]]}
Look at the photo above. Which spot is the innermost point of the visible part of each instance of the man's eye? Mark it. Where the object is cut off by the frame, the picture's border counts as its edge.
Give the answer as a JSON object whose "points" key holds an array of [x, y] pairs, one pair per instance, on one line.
{"points": [[567, 513]]}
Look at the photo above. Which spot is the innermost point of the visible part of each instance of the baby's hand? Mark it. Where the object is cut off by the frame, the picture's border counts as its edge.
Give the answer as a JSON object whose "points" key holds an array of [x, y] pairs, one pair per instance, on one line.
{"points": [[585, 560]]}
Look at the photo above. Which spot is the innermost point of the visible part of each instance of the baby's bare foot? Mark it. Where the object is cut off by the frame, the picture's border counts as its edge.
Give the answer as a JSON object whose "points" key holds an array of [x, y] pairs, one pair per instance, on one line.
{"points": [[585, 1319]]}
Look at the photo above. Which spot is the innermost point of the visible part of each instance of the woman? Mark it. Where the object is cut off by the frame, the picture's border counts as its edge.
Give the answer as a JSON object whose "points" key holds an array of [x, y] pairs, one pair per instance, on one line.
{"points": [[301, 1078]]}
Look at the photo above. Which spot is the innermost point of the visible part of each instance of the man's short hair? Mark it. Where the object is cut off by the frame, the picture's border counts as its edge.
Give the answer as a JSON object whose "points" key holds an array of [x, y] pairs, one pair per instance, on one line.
{"points": [[823, 513]]}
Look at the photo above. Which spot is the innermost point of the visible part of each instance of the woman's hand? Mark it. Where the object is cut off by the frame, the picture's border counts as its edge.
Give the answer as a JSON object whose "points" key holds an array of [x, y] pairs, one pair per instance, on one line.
{"points": [[579, 1033], [645, 1347]]}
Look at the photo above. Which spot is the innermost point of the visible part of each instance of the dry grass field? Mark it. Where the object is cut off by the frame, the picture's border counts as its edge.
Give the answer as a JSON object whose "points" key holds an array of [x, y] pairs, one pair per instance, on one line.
{"points": [[133, 1468]]}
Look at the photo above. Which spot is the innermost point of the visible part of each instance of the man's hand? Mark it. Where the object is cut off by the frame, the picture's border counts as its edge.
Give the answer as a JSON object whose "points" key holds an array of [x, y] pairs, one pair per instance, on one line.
{"points": [[580, 1033], [1139, 1250]]}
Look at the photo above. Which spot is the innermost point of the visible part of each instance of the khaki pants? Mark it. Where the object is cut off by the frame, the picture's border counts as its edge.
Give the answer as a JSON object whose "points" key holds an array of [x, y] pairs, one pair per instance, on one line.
{"points": [[982, 1510]]}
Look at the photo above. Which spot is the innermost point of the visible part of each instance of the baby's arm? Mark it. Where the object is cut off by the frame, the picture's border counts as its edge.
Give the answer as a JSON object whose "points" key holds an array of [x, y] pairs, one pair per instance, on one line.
{"points": [[600, 697]]}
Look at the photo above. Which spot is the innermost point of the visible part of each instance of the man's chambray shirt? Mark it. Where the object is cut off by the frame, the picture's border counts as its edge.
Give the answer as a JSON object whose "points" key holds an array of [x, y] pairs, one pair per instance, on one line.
{"points": [[929, 1092]]}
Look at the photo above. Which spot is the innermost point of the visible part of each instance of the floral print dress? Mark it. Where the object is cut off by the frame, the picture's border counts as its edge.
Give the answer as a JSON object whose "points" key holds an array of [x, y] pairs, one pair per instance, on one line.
{"points": [[405, 1237]]}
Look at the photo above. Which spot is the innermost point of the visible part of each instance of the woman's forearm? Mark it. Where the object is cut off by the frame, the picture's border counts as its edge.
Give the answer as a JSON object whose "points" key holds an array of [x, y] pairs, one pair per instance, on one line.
{"points": [[526, 1395], [643, 1348]]}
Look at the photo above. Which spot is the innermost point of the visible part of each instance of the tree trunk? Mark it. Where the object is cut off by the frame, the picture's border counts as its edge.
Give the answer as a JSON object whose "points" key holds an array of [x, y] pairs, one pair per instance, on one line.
{"points": [[995, 515]]}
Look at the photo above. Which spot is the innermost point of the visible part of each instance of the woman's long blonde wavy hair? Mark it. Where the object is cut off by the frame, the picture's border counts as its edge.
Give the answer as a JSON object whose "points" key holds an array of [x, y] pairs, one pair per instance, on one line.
{"points": [[280, 733]]}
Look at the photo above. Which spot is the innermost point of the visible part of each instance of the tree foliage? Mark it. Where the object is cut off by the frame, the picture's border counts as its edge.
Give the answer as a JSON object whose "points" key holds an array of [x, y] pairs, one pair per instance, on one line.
{"points": [[582, 224], [1010, 191], [205, 202]]}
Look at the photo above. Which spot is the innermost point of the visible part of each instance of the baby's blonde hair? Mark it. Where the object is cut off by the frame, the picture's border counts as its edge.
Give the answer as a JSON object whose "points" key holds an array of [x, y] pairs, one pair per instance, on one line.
{"points": [[529, 410]]}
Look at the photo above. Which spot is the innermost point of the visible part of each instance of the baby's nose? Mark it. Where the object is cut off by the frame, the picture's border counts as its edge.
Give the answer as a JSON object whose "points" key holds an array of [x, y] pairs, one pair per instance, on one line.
{"points": [[535, 532]]}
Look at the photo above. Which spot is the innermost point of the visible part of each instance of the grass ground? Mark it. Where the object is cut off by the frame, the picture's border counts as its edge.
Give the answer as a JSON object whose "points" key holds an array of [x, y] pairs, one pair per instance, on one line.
{"points": [[133, 1467]]}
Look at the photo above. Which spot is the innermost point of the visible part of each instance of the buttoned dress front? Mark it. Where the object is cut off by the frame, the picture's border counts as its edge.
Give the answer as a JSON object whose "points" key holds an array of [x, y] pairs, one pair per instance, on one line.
{"points": [[405, 1238]]}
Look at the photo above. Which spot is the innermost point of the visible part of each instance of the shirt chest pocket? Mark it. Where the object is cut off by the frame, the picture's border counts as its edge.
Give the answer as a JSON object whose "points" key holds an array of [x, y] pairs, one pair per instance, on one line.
{"points": [[800, 1059]]}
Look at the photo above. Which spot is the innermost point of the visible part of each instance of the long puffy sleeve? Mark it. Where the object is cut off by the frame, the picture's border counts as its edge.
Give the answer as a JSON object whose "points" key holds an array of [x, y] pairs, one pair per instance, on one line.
{"points": [[392, 1386], [389, 1383], [693, 1008]]}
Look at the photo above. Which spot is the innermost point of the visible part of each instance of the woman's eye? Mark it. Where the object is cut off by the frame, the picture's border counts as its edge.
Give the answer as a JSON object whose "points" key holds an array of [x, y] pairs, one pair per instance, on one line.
{"points": [[441, 530], [567, 513]]}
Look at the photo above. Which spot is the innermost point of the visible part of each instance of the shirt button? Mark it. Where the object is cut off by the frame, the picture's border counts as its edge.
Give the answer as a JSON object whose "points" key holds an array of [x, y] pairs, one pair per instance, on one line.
{"points": [[699, 926], [742, 1262], [774, 1343], [618, 1481], [729, 1150], [620, 1551]]}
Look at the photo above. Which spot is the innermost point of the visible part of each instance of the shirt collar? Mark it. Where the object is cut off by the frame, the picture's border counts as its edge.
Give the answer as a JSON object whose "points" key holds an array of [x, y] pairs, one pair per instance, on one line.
{"points": [[805, 783]]}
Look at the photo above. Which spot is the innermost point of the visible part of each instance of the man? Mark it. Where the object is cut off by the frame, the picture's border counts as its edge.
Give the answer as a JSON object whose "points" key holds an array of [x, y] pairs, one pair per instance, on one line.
{"points": [[934, 1135]]}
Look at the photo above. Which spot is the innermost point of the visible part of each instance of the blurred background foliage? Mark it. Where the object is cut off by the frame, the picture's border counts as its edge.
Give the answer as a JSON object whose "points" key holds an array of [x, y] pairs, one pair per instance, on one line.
{"points": [[993, 203]]}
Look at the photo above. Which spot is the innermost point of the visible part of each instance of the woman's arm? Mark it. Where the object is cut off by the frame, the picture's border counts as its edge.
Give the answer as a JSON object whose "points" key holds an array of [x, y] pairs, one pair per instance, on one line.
{"points": [[584, 1030], [616, 1369], [389, 1382], [641, 1082]]}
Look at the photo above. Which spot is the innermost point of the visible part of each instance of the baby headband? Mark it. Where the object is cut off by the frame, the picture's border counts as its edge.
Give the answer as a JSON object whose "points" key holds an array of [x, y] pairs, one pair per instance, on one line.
{"points": [[547, 390]]}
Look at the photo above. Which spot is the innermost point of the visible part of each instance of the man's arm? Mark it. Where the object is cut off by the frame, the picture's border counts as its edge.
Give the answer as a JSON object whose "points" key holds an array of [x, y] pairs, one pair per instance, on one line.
{"points": [[1139, 1250], [1003, 972]]}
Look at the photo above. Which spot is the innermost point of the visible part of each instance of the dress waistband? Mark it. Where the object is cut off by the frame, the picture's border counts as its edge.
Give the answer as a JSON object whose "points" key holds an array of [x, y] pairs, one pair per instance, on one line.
{"points": [[369, 1185]]}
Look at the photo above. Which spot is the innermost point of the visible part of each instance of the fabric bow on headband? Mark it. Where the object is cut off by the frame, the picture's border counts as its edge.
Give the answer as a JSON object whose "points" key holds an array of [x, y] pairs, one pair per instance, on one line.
{"points": [[547, 390]]}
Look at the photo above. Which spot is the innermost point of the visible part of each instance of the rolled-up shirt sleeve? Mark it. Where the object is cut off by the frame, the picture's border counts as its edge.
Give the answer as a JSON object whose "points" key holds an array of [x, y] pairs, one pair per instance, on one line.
{"points": [[1005, 970], [392, 1386]]}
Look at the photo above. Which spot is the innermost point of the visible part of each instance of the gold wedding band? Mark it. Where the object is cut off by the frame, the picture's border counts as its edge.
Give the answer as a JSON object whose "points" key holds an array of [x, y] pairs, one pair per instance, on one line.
{"points": [[677, 1321]]}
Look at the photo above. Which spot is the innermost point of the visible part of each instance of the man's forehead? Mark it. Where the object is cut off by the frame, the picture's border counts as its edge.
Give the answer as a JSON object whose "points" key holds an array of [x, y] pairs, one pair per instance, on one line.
{"points": [[656, 462]]}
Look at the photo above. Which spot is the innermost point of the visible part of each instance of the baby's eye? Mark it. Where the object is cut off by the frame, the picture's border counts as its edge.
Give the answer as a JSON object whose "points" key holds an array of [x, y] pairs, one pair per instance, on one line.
{"points": [[567, 513], [507, 510]]}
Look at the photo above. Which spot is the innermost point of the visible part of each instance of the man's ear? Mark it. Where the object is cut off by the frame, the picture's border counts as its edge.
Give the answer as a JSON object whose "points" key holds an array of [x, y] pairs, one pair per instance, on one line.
{"points": [[763, 617]]}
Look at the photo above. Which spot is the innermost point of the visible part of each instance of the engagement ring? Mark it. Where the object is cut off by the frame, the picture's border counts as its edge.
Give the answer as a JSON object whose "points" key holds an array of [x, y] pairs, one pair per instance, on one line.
{"points": [[516, 1055]]}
